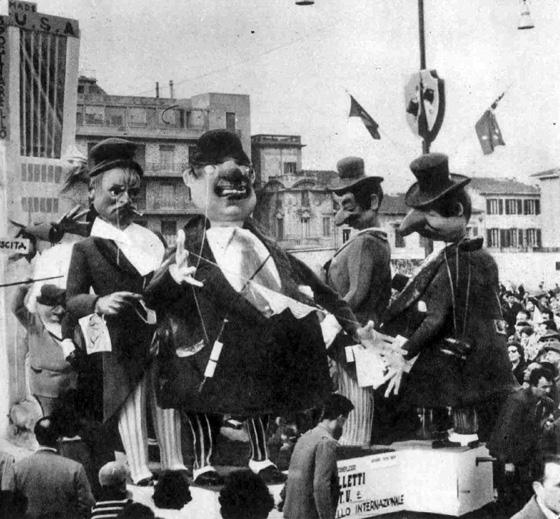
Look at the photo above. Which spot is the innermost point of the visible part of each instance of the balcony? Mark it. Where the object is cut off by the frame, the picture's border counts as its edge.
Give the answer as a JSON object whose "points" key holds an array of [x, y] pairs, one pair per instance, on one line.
{"points": [[170, 169]]}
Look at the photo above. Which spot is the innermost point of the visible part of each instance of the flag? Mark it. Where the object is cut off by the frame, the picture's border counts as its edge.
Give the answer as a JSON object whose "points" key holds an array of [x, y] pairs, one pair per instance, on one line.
{"points": [[488, 132], [356, 110]]}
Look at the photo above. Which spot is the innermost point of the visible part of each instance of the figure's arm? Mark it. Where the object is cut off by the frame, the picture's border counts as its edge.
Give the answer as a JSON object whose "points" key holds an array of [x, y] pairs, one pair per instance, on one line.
{"points": [[79, 301], [325, 469], [439, 310], [19, 309], [360, 272]]}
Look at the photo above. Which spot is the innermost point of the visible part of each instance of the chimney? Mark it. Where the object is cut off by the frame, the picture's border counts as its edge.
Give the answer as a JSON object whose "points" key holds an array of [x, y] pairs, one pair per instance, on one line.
{"points": [[171, 89], [157, 89]]}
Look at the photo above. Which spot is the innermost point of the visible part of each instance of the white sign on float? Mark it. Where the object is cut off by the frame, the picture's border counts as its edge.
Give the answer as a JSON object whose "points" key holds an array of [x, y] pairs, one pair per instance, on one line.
{"points": [[12, 245], [370, 486]]}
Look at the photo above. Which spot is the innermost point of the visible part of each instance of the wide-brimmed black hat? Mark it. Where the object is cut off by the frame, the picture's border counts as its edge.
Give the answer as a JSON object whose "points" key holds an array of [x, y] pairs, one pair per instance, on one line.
{"points": [[434, 180], [351, 172], [215, 146], [51, 295], [112, 153]]}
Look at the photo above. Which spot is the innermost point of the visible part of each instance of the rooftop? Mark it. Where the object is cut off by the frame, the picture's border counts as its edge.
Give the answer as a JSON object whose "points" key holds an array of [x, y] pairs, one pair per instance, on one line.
{"points": [[502, 186]]}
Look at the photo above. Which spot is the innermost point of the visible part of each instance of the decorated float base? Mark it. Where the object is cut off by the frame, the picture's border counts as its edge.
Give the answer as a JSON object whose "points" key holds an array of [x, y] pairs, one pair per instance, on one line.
{"points": [[410, 477]]}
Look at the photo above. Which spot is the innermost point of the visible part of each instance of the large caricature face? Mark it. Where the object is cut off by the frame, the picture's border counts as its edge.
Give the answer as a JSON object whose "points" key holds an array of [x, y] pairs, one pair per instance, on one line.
{"points": [[431, 224], [224, 192], [114, 196], [351, 213]]}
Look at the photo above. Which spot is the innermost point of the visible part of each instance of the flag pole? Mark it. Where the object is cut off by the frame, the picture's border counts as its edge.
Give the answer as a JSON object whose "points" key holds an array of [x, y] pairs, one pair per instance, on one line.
{"points": [[422, 42]]}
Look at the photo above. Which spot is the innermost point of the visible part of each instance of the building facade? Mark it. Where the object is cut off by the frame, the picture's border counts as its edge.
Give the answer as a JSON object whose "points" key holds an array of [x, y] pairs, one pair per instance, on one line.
{"points": [[38, 73], [164, 131]]}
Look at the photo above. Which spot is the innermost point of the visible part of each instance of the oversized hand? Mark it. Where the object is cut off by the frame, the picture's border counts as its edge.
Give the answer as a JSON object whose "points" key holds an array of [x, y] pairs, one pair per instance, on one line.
{"points": [[70, 222], [180, 271], [396, 364], [373, 339], [116, 302]]}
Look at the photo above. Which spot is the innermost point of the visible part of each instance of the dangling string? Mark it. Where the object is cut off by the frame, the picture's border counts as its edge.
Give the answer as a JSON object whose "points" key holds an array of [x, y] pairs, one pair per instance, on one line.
{"points": [[456, 285]]}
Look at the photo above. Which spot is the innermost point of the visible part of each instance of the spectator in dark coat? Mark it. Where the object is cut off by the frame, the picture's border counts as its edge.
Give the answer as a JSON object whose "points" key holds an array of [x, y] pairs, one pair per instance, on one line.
{"points": [[517, 439], [517, 359], [245, 496], [50, 482]]}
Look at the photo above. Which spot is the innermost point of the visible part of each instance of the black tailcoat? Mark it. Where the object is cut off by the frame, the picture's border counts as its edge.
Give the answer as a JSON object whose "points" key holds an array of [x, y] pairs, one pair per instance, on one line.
{"points": [[267, 365]]}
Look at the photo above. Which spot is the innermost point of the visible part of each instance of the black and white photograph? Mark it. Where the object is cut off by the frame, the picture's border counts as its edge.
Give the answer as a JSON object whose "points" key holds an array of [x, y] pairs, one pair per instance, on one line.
{"points": [[285, 259]]}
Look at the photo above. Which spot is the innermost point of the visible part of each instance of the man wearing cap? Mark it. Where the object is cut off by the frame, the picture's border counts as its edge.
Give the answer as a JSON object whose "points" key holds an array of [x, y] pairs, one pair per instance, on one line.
{"points": [[108, 272], [242, 344], [450, 311], [360, 272], [49, 373]]}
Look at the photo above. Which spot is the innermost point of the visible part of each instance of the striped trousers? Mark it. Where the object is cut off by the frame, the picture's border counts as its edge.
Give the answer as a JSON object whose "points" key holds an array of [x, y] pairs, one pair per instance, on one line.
{"points": [[133, 431], [357, 429], [205, 429]]}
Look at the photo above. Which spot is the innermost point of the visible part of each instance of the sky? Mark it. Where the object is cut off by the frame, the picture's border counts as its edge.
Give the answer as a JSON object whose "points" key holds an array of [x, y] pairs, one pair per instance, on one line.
{"points": [[298, 64]]}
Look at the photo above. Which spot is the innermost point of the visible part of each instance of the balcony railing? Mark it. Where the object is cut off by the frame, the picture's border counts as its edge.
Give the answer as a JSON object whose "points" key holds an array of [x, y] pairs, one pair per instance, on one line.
{"points": [[165, 168]]}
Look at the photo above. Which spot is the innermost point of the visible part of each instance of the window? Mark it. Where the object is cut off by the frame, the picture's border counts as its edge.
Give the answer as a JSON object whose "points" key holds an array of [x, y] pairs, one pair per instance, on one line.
{"points": [[166, 155], [230, 121], [165, 196], [531, 206], [326, 226], [36, 204], [533, 237], [492, 206], [493, 237], [115, 116], [306, 227], [345, 235], [290, 168], [279, 228], [137, 117], [513, 206], [95, 115], [305, 198]]}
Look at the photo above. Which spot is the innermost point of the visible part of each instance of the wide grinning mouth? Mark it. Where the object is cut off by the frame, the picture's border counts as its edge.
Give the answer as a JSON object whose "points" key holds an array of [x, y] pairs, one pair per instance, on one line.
{"points": [[237, 188]]}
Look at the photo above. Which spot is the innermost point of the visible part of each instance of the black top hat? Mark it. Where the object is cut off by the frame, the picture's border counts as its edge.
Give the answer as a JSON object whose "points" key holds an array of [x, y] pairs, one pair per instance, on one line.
{"points": [[434, 180], [351, 173], [112, 153], [51, 295], [215, 146]]}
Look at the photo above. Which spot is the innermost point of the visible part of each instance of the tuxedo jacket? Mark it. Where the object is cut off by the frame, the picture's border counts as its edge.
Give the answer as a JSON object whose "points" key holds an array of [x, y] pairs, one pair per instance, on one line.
{"points": [[453, 298], [98, 264], [267, 365]]}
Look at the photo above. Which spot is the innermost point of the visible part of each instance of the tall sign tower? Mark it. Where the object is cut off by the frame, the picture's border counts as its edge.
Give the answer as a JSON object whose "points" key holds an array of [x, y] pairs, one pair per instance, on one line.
{"points": [[38, 93]]}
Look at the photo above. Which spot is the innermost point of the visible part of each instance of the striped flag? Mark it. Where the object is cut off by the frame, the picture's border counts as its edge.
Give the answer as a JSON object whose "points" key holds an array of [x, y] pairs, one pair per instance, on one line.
{"points": [[356, 110]]}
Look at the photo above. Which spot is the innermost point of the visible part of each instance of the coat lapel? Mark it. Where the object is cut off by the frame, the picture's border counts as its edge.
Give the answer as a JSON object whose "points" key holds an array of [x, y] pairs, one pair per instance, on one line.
{"points": [[110, 251]]}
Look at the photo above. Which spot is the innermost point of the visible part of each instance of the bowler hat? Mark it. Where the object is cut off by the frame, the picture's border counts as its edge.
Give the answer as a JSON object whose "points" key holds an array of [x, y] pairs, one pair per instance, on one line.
{"points": [[553, 345], [215, 146], [51, 295], [434, 180], [112, 153], [351, 172]]}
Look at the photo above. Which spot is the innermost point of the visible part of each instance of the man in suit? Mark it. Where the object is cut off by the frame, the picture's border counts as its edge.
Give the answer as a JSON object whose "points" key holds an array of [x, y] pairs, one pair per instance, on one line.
{"points": [[108, 272], [247, 343], [517, 438], [51, 483], [449, 313], [360, 272], [510, 309], [312, 489], [545, 504]]}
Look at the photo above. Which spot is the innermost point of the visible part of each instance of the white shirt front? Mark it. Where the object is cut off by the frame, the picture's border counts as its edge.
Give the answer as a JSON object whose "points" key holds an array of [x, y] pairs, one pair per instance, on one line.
{"points": [[546, 511], [140, 246], [228, 253]]}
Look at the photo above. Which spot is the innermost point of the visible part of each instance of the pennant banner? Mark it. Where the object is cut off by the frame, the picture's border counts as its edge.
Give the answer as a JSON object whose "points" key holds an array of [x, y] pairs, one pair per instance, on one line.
{"points": [[356, 110], [488, 132]]}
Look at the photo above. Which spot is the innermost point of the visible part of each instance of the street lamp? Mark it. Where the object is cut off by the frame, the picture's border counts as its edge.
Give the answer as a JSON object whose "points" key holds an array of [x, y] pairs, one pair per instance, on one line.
{"points": [[525, 22]]}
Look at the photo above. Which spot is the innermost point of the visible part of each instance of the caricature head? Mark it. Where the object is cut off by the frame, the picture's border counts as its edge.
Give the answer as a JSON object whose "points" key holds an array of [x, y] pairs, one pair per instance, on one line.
{"points": [[358, 196], [220, 178], [115, 180], [441, 208]]}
